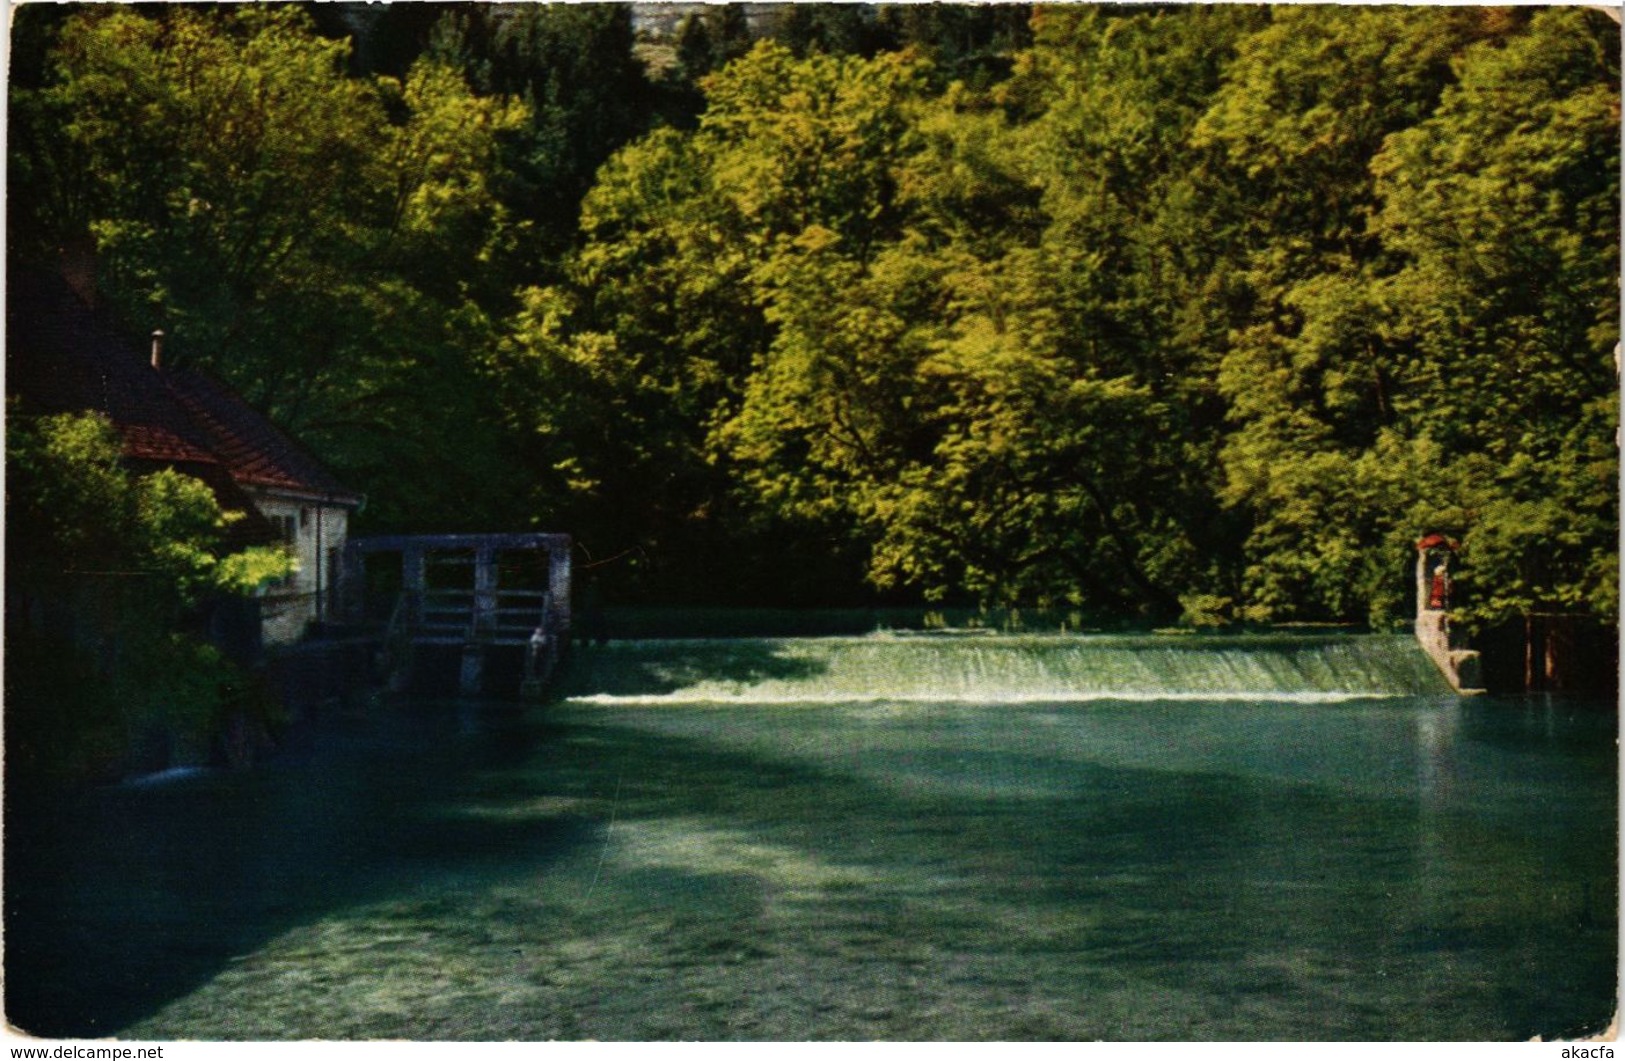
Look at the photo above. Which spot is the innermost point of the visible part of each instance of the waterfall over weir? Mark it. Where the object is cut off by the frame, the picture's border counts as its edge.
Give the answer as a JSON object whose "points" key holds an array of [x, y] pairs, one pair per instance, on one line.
{"points": [[997, 668]]}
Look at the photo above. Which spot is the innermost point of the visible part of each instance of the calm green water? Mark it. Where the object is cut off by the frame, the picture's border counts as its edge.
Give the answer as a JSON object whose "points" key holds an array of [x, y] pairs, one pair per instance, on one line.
{"points": [[861, 839]]}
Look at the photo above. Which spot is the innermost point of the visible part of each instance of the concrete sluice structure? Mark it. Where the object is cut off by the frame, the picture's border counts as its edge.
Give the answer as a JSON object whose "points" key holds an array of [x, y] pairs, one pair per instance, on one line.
{"points": [[475, 593], [1460, 665]]}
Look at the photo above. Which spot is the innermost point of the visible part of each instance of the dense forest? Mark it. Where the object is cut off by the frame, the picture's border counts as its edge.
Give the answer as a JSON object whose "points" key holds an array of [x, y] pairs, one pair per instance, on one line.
{"points": [[1193, 313]]}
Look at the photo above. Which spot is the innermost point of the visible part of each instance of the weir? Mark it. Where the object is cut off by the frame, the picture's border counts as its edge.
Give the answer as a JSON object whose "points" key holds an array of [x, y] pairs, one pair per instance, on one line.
{"points": [[1003, 669], [480, 593]]}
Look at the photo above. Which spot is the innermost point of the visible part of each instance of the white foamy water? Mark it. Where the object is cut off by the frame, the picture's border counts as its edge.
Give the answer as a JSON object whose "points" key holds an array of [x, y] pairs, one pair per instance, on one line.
{"points": [[992, 670]]}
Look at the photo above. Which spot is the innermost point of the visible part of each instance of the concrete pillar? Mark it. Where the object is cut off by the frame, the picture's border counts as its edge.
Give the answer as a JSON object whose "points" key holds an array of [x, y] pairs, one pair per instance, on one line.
{"points": [[471, 678], [485, 588], [352, 587], [414, 576], [1459, 666], [558, 584]]}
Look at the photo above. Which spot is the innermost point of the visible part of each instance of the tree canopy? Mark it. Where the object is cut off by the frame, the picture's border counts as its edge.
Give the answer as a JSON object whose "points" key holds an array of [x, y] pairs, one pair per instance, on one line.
{"points": [[1200, 312], [116, 563]]}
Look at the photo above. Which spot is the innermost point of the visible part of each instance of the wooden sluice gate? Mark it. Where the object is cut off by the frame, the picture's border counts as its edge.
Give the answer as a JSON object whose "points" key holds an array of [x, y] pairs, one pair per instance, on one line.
{"points": [[479, 593]]}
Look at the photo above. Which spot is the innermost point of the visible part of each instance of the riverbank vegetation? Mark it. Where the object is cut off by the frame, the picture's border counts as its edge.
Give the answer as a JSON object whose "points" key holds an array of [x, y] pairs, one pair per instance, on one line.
{"points": [[110, 575], [1199, 312]]}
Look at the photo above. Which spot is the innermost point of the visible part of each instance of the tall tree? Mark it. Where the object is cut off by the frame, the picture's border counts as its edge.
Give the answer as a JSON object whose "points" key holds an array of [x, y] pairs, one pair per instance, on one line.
{"points": [[586, 94], [1309, 374], [105, 571], [1146, 310], [1066, 449], [1502, 209], [306, 235]]}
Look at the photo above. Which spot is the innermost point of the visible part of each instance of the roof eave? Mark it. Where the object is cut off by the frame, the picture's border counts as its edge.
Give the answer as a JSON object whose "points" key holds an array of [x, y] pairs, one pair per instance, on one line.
{"points": [[341, 499]]}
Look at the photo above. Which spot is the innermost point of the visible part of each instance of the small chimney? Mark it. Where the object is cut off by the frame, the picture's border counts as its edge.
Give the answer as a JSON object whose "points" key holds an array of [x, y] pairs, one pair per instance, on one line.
{"points": [[158, 349]]}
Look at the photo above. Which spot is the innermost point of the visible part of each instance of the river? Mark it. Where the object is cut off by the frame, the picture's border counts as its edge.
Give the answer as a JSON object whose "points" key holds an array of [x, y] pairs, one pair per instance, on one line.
{"points": [[887, 837]]}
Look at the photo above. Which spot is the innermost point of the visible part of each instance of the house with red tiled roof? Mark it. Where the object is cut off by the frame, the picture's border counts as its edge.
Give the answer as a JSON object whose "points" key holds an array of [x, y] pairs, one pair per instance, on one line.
{"points": [[64, 355]]}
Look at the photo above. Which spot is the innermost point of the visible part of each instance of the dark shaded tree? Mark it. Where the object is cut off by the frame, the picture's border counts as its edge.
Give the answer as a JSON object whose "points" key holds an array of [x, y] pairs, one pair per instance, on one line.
{"points": [[572, 67]]}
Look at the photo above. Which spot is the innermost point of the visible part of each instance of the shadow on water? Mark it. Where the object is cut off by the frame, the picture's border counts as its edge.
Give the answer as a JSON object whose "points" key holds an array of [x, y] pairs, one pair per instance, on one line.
{"points": [[1517, 723], [120, 899], [683, 665], [796, 875], [1326, 914]]}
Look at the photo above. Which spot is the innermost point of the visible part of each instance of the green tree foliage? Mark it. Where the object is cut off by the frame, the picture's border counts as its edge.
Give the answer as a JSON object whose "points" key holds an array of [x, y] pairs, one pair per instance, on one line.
{"points": [[1139, 310], [1503, 209], [838, 29], [1102, 297], [1302, 110], [585, 94], [962, 376], [314, 239], [711, 39], [688, 235], [1428, 348], [104, 569], [971, 43], [1159, 322], [71, 505]]}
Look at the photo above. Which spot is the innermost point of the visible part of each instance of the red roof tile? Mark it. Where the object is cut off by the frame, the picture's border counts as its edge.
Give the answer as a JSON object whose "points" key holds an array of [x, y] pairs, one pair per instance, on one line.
{"points": [[62, 356], [254, 451]]}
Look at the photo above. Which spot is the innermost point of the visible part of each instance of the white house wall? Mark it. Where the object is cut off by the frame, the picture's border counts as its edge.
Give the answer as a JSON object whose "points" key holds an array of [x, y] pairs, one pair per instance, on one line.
{"points": [[319, 537]]}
